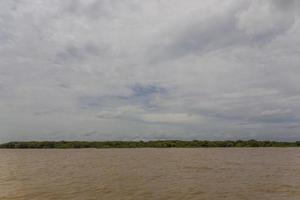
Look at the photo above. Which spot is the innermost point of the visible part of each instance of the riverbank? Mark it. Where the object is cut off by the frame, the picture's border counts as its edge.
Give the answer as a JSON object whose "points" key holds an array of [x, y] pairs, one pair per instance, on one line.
{"points": [[147, 144]]}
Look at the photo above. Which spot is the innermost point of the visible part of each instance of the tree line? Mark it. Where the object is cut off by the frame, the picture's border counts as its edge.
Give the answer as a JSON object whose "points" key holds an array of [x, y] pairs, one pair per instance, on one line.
{"points": [[146, 144]]}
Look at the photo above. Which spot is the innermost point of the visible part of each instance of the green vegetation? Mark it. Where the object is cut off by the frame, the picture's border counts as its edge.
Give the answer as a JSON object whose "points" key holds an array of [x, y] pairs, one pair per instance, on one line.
{"points": [[147, 144]]}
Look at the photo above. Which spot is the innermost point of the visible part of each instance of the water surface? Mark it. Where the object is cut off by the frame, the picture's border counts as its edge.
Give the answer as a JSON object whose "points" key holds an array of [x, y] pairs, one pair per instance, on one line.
{"points": [[86, 174]]}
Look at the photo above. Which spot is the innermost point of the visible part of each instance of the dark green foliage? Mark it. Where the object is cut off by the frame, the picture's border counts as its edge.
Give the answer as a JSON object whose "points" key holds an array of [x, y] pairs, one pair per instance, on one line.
{"points": [[147, 144]]}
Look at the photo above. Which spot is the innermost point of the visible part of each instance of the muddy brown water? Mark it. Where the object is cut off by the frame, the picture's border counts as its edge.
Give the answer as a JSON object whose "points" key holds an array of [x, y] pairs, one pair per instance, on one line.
{"points": [[129, 174]]}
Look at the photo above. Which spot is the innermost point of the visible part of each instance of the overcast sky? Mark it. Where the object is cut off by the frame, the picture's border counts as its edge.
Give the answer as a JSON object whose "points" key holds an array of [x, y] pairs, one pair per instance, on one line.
{"points": [[157, 69]]}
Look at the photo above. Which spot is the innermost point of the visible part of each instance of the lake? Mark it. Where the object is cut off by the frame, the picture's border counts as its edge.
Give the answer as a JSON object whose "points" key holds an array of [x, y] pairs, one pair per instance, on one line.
{"points": [[150, 173]]}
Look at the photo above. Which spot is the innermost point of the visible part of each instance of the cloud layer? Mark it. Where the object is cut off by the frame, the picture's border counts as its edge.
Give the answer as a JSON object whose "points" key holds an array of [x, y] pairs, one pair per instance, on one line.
{"points": [[161, 69]]}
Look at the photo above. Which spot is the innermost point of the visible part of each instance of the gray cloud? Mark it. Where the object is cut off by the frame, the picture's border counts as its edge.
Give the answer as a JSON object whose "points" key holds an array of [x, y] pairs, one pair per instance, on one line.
{"points": [[245, 24], [116, 69]]}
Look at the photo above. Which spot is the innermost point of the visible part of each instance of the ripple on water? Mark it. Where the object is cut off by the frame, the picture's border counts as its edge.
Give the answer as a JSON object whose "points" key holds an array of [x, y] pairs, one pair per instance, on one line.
{"points": [[150, 174]]}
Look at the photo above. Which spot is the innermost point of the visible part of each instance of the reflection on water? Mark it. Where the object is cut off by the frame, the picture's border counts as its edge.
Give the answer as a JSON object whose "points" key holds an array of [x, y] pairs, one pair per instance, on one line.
{"points": [[247, 173]]}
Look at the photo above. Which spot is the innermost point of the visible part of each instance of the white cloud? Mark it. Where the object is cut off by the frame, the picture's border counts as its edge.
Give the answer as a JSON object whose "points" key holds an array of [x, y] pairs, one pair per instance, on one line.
{"points": [[149, 69], [263, 18], [170, 118]]}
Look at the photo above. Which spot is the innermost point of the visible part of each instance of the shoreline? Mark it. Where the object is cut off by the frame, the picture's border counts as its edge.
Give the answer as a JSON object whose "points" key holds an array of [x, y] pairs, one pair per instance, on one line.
{"points": [[145, 144]]}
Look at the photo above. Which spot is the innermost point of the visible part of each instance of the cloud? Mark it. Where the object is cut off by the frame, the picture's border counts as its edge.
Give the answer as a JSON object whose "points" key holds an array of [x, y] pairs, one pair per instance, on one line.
{"points": [[79, 69], [244, 23], [266, 18], [170, 118]]}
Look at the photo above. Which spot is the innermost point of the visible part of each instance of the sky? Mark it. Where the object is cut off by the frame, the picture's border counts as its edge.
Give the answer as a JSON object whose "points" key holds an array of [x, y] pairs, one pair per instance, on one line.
{"points": [[148, 70]]}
